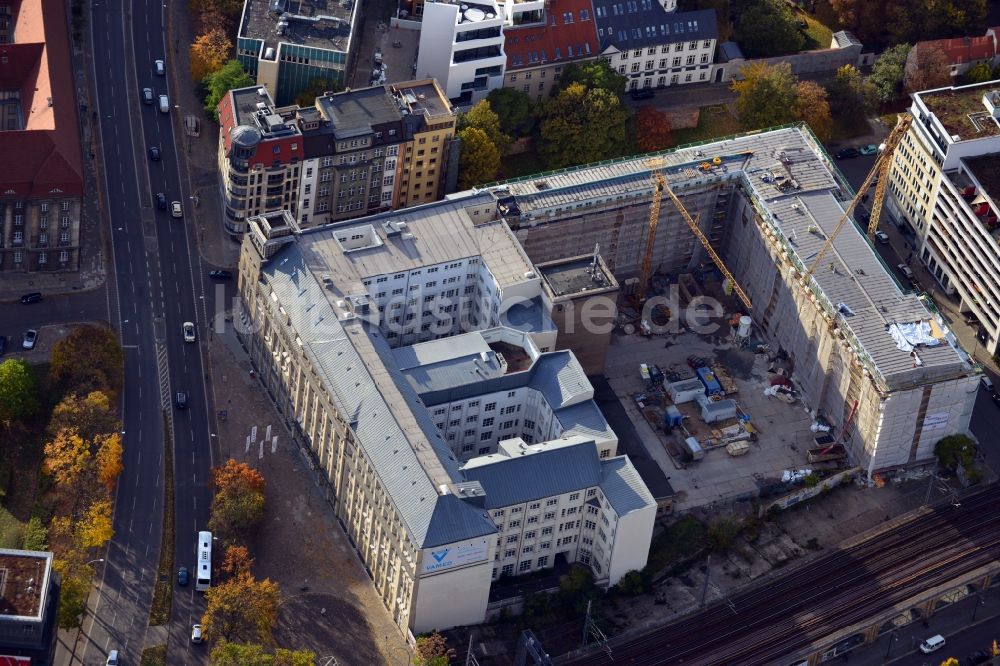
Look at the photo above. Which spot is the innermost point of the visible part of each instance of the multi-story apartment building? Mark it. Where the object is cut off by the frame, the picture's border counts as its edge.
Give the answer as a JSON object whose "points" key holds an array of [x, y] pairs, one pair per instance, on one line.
{"points": [[944, 186], [287, 45], [461, 46], [458, 448], [41, 175], [29, 600], [539, 44], [352, 154], [654, 46]]}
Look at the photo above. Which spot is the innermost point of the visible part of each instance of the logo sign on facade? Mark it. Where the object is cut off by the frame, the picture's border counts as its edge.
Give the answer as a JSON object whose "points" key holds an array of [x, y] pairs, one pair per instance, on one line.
{"points": [[448, 557]]}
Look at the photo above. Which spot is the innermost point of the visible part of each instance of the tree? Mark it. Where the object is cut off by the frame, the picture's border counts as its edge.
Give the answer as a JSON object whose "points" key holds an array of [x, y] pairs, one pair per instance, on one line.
{"points": [[652, 129], [211, 18], [67, 456], [208, 53], [90, 415], [89, 359], [978, 73], [237, 561], [887, 73], [515, 110], [35, 535], [768, 28], [229, 77], [18, 391], [577, 588], [482, 117], [850, 96], [238, 505], [812, 107], [72, 601], [241, 609], [632, 583], [954, 450], [109, 459], [95, 529], [316, 88], [250, 654], [478, 159], [766, 95], [927, 68], [592, 74], [950, 661], [433, 650], [582, 125]]}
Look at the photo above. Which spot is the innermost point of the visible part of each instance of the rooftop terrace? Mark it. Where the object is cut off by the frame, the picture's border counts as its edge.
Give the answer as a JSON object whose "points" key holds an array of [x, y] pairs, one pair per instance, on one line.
{"points": [[24, 578], [321, 24], [577, 276], [986, 169], [962, 112]]}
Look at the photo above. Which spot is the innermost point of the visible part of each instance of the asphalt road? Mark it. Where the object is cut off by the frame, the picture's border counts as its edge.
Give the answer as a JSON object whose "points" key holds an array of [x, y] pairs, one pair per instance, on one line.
{"points": [[159, 287], [80, 306]]}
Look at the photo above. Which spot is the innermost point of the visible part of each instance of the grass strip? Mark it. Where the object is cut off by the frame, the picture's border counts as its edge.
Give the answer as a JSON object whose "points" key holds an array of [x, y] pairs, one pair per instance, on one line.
{"points": [[154, 656], [163, 593]]}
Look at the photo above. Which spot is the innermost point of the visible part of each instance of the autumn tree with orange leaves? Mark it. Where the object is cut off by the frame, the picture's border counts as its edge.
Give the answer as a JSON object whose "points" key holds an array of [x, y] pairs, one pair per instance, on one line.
{"points": [[208, 53], [652, 129], [238, 505]]}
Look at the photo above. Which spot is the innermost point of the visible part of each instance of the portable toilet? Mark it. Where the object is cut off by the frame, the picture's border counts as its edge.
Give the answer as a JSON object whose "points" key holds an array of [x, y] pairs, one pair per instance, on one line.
{"points": [[673, 416], [707, 377]]}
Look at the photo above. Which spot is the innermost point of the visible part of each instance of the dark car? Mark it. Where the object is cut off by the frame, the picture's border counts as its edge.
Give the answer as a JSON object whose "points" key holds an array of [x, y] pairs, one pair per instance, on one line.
{"points": [[864, 216], [182, 576], [161, 200], [641, 93], [220, 275], [996, 399], [3, 344], [977, 657], [181, 400], [154, 154], [847, 153], [33, 297]]}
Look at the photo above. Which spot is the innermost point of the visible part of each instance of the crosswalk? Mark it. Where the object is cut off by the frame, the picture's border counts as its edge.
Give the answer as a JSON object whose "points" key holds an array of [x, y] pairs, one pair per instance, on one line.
{"points": [[164, 374]]}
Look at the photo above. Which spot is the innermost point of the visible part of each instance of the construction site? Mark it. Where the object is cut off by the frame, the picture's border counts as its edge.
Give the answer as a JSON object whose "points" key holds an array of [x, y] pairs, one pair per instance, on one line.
{"points": [[740, 264]]}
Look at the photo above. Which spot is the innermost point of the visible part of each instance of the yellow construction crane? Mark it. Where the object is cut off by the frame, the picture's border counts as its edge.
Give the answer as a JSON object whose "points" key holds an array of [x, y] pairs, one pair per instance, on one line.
{"points": [[881, 169], [660, 186]]}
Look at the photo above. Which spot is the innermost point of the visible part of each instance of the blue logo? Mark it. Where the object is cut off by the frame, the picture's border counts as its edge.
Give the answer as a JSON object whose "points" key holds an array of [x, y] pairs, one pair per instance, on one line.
{"points": [[439, 555]]}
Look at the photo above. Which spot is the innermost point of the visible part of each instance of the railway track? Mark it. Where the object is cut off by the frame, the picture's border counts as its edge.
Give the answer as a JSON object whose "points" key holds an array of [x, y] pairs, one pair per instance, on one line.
{"points": [[847, 586]]}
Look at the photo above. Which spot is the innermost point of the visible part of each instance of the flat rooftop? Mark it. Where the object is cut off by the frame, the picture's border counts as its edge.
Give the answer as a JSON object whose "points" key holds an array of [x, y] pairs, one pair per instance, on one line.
{"points": [[424, 97], [962, 112], [986, 169], [577, 276], [355, 113], [24, 582], [320, 24]]}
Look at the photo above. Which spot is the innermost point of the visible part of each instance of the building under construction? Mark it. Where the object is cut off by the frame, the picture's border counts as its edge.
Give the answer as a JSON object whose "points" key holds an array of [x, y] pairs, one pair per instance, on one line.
{"points": [[867, 354]]}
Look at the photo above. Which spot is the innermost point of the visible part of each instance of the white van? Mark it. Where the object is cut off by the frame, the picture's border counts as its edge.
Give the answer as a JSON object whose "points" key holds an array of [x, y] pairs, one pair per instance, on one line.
{"points": [[986, 383], [164, 104], [931, 644]]}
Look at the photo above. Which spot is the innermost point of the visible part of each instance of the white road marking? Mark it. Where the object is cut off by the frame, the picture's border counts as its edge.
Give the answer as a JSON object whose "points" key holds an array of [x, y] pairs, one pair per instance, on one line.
{"points": [[274, 444]]}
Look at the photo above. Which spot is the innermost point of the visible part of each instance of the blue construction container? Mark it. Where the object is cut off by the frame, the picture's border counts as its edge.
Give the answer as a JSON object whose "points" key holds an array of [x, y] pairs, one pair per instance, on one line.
{"points": [[707, 377], [672, 417]]}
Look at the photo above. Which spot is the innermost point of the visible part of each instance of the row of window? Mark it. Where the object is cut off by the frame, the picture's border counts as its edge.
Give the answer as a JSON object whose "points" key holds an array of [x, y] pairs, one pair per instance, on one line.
{"points": [[44, 206], [43, 222], [679, 47], [43, 257], [525, 565]]}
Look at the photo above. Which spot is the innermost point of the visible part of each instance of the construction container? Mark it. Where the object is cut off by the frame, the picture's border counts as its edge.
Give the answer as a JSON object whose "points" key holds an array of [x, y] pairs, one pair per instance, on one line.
{"points": [[713, 412], [685, 390], [693, 448], [707, 377], [672, 417]]}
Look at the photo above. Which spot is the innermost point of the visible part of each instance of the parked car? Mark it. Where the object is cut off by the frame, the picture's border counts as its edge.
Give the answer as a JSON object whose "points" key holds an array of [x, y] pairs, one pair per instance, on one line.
{"points": [[882, 237], [977, 657], [846, 153], [147, 95], [161, 200], [176, 210], [181, 400], [3, 344], [33, 297], [196, 633], [154, 154], [641, 93], [164, 104], [183, 577], [863, 216], [870, 149], [30, 338], [905, 270], [933, 643], [159, 67], [188, 328], [986, 383], [220, 275], [996, 399], [112, 658]]}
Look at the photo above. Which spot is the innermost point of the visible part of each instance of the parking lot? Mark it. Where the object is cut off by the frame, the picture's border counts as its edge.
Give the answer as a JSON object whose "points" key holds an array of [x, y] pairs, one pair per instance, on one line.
{"points": [[781, 430]]}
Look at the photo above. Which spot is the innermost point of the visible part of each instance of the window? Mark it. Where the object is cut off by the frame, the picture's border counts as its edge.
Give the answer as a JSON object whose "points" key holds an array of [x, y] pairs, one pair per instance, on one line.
{"points": [[524, 566], [635, 67], [677, 62], [574, 497], [512, 538], [532, 520], [552, 502], [546, 531], [508, 570], [486, 436], [590, 525], [63, 256], [65, 205], [533, 506], [490, 406], [543, 561], [487, 422], [546, 545]]}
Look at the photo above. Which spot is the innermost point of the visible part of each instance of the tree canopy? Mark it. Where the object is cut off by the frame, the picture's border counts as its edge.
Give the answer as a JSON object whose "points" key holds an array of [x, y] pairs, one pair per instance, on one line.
{"points": [[515, 110], [433, 650], [319, 85], [241, 609], [91, 415], [978, 73], [582, 125], [229, 77], [813, 108], [88, 359], [766, 95], [238, 504], [887, 73], [850, 96], [484, 118], [592, 74], [652, 129], [18, 391], [899, 21], [478, 159], [768, 28], [927, 67], [252, 654], [208, 53]]}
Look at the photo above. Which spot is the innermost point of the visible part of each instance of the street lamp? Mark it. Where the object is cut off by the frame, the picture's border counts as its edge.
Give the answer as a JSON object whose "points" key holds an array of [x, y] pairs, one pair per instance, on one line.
{"points": [[99, 559], [892, 639]]}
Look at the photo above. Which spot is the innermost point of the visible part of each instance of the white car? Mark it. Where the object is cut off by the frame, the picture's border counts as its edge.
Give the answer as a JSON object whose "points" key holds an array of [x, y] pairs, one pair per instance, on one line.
{"points": [[159, 67], [30, 338], [882, 237], [176, 210], [905, 270], [196, 633], [189, 335], [112, 658]]}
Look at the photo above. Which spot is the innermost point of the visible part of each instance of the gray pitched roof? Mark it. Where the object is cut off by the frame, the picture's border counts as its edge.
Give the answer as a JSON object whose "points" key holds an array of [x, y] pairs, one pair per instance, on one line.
{"points": [[623, 487], [633, 24]]}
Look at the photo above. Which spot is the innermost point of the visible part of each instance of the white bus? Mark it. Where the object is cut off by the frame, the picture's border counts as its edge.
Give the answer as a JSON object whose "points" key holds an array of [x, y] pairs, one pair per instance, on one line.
{"points": [[203, 577]]}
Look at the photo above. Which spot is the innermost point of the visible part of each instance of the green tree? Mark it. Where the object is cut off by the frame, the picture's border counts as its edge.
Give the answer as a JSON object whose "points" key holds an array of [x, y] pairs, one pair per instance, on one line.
{"points": [[241, 609], [812, 107], [768, 28], [766, 95], [18, 391], [433, 650], [252, 654], [978, 73], [35, 535], [316, 88], [478, 159], [483, 118], [515, 110], [89, 359], [72, 601], [582, 125], [632, 583], [229, 77], [888, 71], [577, 588], [953, 450], [592, 74], [850, 96]]}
